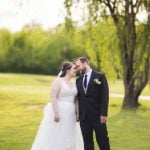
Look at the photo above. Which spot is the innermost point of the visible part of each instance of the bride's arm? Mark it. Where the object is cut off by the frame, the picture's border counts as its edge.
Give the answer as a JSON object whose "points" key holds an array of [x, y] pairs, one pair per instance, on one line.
{"points": [[54, 97], [77, 108]]}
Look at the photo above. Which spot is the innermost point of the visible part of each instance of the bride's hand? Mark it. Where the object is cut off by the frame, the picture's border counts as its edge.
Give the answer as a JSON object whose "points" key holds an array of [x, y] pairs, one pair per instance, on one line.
{"points": [[56, 118]]}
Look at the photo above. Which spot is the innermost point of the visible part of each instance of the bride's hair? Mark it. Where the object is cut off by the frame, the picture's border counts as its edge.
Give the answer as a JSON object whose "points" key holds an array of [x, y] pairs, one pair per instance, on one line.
{"points": [[66, 66]]}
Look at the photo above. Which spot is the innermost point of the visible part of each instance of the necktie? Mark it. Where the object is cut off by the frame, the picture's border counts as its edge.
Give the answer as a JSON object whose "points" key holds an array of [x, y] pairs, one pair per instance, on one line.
{"points": [[85, 81]]}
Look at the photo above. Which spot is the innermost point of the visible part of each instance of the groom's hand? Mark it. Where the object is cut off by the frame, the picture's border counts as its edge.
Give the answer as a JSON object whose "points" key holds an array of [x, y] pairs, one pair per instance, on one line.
{"points": [[103, 119], [77, 119]]}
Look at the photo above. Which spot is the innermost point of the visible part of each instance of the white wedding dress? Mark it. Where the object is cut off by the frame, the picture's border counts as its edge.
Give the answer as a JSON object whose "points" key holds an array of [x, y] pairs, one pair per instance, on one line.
{"points": [[62, 135]]}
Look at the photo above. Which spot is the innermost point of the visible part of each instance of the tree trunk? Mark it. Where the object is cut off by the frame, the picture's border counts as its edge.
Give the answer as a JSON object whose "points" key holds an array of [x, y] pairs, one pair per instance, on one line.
{"points": [[130, 98], [130, 101]]}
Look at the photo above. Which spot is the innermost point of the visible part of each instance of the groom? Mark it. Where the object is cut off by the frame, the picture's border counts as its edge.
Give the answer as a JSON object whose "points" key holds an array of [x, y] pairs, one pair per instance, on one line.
{"points": [[93, 105]]}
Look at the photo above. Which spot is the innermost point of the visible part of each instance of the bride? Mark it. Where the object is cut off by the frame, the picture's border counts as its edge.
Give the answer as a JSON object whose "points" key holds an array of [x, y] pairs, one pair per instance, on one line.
{"points": [[58, 129]]}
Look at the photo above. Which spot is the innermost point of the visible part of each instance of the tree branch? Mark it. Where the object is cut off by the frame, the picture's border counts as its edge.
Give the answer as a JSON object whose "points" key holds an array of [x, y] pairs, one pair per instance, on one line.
{"points": [[137, 6], [112, 10], [134, 5]]}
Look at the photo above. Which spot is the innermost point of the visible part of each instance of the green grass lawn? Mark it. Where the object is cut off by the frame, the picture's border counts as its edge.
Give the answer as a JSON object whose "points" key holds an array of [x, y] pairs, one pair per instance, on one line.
{"points": [[23, 96]]}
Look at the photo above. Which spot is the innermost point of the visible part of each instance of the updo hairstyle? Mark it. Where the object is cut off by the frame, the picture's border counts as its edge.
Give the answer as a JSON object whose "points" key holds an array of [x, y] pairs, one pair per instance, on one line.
{"points": [[66, 66]]}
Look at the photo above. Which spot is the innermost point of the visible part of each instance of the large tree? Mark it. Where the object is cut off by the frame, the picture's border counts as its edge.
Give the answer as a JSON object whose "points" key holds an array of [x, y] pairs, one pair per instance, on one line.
{"points": [[133, 36]]}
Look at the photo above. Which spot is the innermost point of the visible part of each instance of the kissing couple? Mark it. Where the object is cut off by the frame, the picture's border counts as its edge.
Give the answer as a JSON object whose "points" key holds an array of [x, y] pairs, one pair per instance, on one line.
{"points": [[81, 101]]}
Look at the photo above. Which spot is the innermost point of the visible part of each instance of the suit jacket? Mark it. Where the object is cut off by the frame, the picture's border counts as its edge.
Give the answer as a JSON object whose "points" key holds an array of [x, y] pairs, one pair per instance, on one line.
{"points": [[94, 102]]}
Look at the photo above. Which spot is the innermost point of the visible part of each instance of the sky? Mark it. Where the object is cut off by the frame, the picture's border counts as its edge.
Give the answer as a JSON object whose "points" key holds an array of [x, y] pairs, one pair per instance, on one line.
{"points": [[14, 14]]}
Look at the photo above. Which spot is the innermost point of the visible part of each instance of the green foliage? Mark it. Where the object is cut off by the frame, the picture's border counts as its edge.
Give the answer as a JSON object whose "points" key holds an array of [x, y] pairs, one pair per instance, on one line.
{"points": [[142, 53], [6, 43], [101, 45], [34, 50], [37, 51]]}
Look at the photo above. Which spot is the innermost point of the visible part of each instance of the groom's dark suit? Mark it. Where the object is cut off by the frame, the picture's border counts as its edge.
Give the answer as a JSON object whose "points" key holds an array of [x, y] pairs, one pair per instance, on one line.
{"points": [[92, 105]]}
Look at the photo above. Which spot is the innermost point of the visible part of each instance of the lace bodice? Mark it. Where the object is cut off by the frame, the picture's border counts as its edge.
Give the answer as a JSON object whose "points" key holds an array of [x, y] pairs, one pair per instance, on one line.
{"points": [[62, 92], [66, 92]]}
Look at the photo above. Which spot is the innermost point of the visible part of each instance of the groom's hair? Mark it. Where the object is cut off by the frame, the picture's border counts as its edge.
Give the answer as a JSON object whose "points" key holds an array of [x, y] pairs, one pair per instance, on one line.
{"points": [[83, 59]]}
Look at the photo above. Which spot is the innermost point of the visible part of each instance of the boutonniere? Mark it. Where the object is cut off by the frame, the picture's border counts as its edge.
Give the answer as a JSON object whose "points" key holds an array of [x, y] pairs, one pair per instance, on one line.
{"points": [[97, 81]]}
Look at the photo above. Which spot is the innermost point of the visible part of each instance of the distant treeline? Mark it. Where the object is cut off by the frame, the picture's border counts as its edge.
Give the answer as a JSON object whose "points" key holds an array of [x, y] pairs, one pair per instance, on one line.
{"points": [[34, 50]]}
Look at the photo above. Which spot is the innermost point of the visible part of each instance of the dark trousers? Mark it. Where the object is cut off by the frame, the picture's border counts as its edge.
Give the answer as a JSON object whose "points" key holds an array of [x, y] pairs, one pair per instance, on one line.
{"points": [[87, 127]]}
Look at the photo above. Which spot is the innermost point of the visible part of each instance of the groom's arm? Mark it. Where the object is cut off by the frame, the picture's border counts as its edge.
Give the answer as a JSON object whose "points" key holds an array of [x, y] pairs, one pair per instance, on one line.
{"points": [[104, 95], [77, 108]]}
